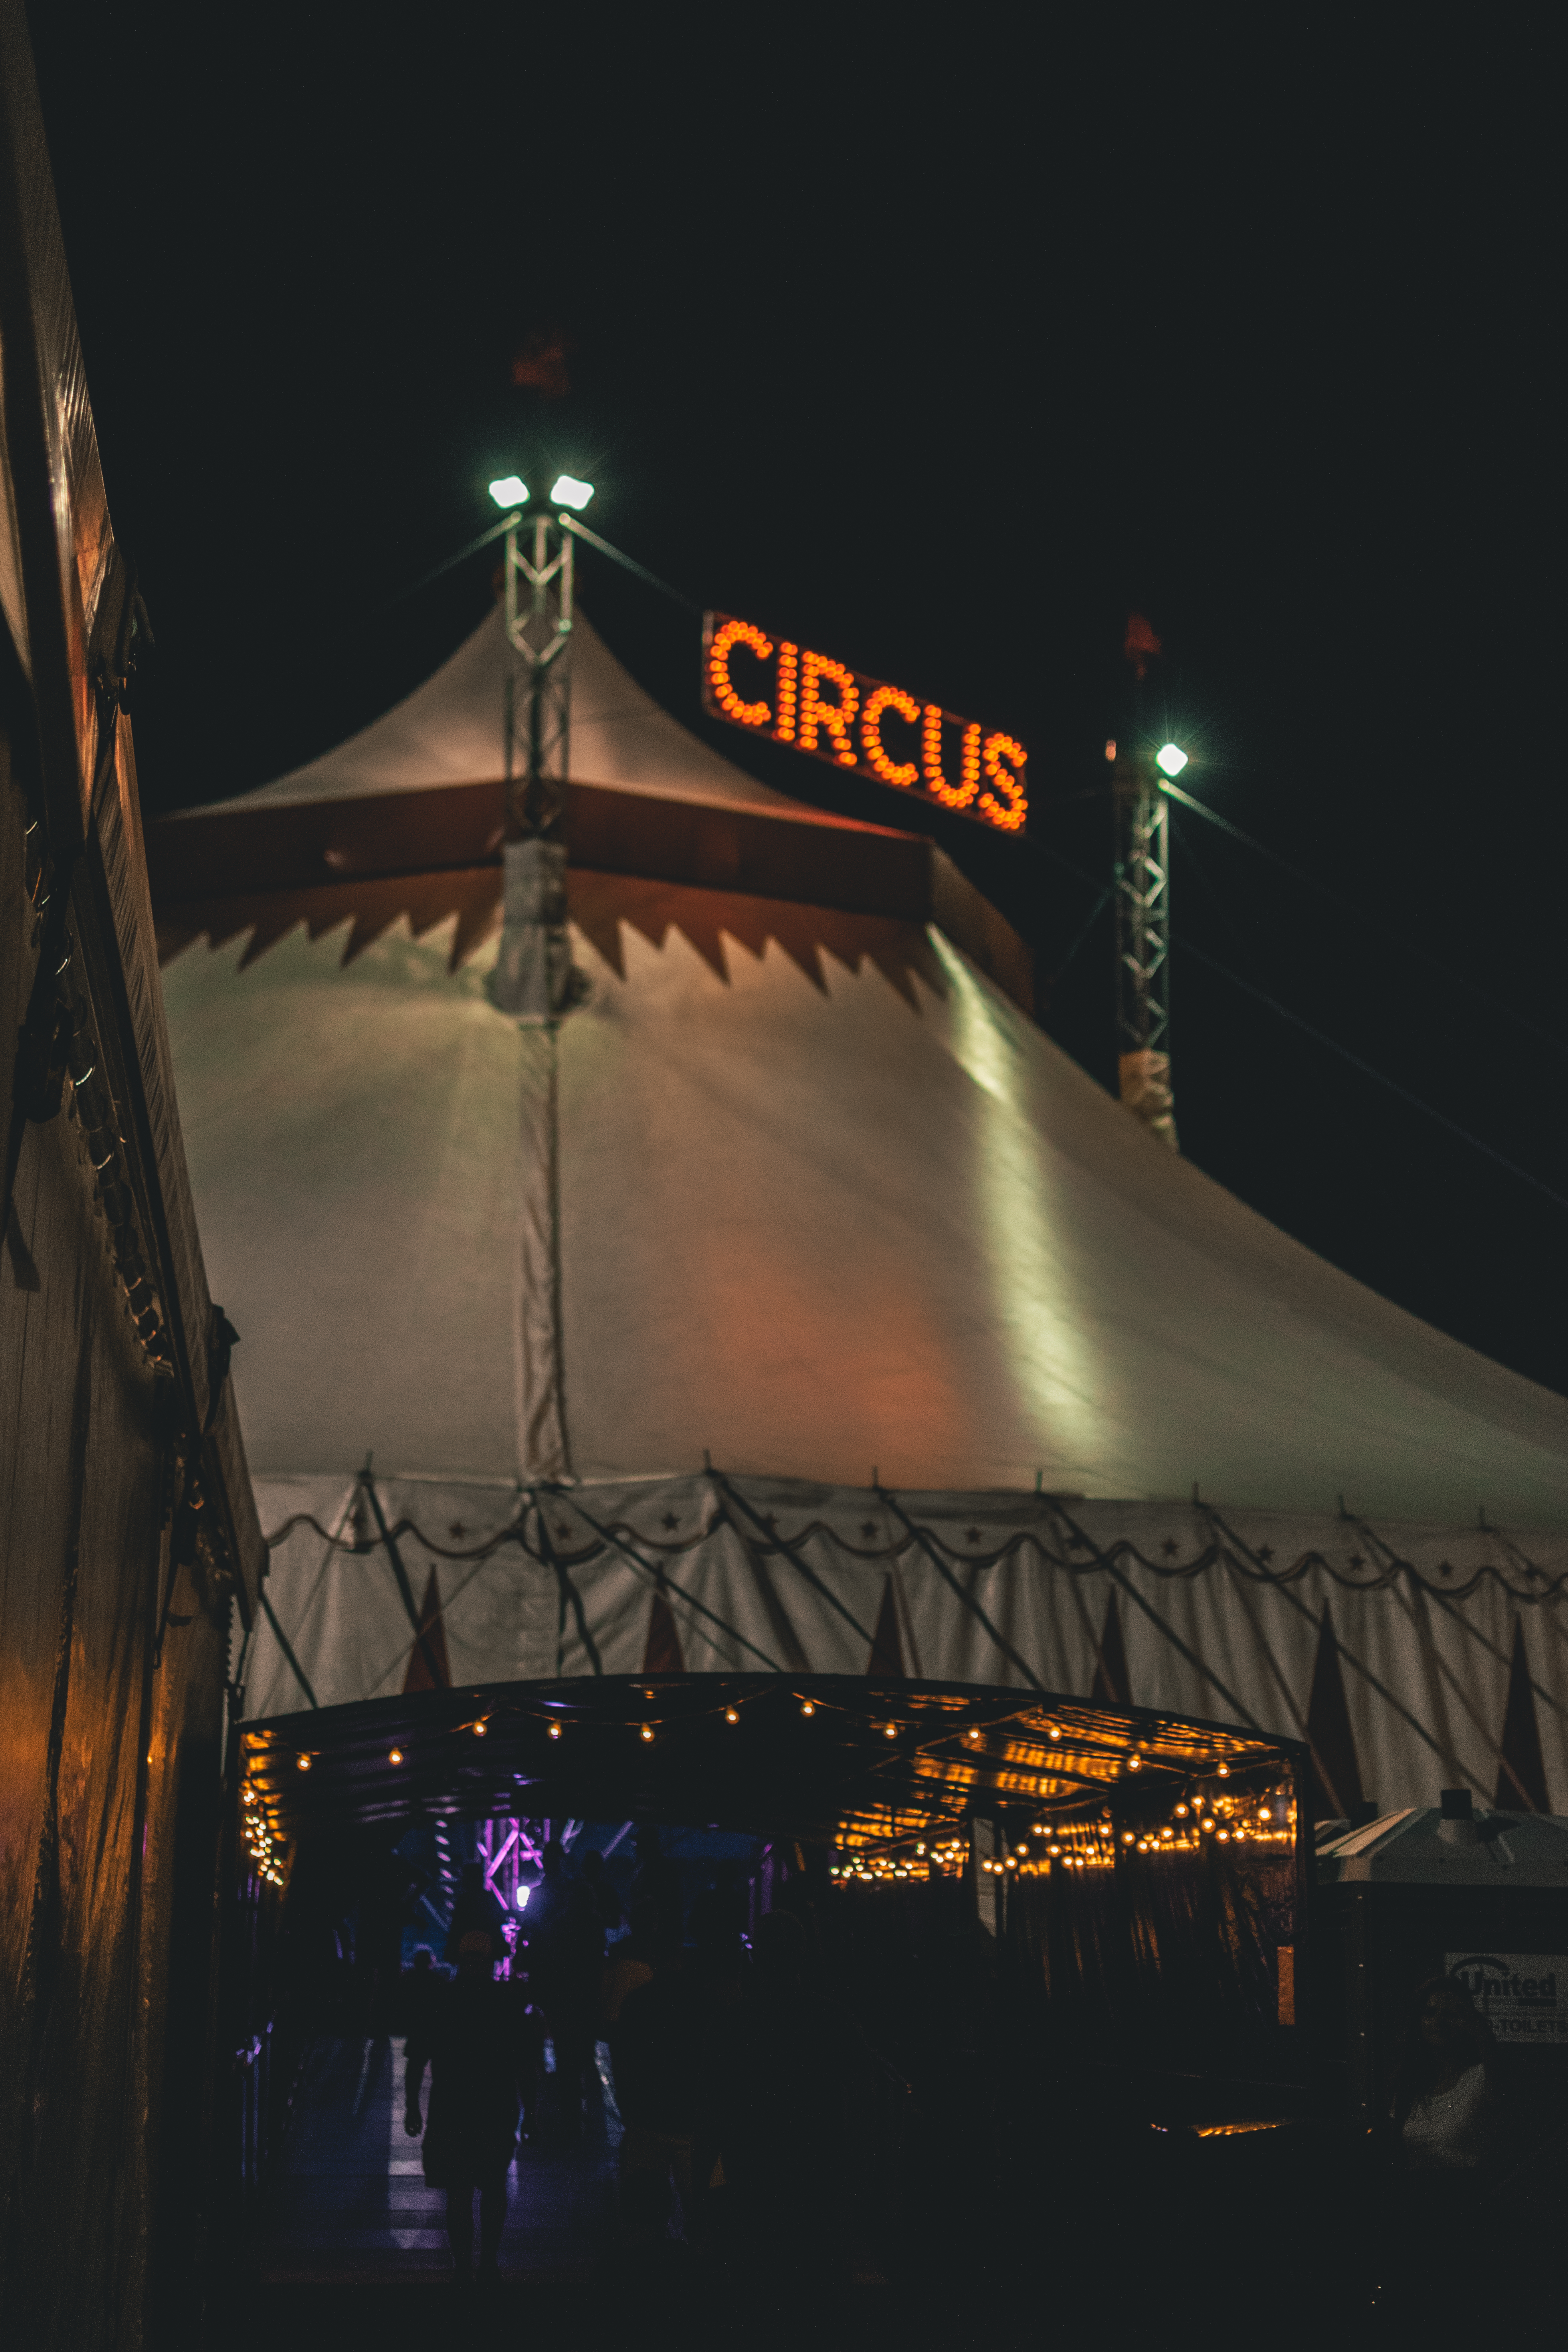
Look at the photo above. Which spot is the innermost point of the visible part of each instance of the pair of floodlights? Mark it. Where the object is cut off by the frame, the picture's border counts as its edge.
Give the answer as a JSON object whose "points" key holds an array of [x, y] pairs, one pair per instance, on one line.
{"points": [[512, 491], [1170, 756]]}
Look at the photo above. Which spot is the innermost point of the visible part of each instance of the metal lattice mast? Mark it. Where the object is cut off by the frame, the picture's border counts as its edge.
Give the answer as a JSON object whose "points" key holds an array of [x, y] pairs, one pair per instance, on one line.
{"points": [[1142, 888], [537, 712], [1142, 912], [533, 977]]}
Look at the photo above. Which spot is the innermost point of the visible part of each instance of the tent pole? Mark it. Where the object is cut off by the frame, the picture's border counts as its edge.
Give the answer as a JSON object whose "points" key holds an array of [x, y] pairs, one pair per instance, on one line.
{"points": [[1141, 882]]}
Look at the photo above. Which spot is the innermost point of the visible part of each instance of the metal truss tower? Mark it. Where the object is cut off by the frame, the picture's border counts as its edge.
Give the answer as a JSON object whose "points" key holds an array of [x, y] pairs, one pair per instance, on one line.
{"points": [[538, 715], [534, 979], [1143, 944]]}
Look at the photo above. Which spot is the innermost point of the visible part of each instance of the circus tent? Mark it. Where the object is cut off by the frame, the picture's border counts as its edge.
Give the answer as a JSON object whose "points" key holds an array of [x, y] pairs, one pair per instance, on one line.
{"points": [[793, 1299]]}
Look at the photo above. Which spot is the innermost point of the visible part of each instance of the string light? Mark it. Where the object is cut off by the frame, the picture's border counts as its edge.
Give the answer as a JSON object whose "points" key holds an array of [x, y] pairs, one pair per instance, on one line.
{"points": [[647, 1731], [1135, 1763], [265, 1853], [902, 772], [302, 1763], [927, 1861], [890, 1731], [555, 1731], [394, 1756], [479, 1729], [731, 1714], [721, 688], [807, 1706]]}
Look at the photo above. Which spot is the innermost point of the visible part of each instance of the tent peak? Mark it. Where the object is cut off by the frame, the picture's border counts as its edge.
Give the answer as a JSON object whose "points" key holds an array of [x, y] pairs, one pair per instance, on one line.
{"points": [[447, 732]]}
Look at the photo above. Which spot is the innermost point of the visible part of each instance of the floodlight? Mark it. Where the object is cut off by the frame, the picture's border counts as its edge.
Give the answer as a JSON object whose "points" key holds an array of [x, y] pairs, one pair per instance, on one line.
{"points": [[1171, 758], [570, 493], [512, 490]]}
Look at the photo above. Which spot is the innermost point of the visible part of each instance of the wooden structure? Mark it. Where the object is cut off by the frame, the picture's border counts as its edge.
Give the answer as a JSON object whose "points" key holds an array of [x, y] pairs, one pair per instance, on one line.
{"points": [[128, 1535]]}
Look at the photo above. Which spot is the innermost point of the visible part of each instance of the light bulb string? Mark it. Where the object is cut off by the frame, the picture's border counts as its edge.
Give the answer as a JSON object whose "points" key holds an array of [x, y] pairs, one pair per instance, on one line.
{"points": [[727, 1706]]}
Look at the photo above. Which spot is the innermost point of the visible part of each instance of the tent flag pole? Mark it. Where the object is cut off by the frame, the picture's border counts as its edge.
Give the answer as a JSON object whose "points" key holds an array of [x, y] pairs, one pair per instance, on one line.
{"points": [[660, 1580], [933, 1554]]}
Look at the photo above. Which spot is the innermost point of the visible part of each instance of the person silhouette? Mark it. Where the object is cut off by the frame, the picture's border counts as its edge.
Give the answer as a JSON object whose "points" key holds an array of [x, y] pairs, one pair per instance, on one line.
{"points": [[472, 2035]]}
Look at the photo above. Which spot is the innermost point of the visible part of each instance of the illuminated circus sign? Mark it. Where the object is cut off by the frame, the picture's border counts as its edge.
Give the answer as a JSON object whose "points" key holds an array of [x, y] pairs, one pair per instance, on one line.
{"points": [[815, 704]]}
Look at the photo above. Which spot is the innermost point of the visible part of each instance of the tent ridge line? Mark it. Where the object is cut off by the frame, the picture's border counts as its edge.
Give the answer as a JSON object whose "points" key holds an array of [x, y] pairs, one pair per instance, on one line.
{"points": [[1364, 1670], [1109, 1562], [661, 1582], [404, 1589], [1303, 1722], [1446, 1602], [1447, 1672], [513, 1534], [933, 1553], [1190, 1656], [771, 1535], [567, 1589], [287, 1647], [778, 1615]]}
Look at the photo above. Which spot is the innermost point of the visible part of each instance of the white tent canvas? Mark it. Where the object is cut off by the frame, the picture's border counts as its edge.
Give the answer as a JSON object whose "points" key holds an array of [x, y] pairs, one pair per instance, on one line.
{"points": [[818, 1216]]}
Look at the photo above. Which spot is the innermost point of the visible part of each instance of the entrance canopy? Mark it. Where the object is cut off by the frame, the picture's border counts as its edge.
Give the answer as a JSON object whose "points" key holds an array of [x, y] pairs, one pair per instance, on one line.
{"points": [[872, 1766]]}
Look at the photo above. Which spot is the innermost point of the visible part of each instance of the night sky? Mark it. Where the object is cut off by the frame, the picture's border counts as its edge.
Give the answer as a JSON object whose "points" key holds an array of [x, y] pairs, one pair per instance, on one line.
{"points": [[939, 343]]}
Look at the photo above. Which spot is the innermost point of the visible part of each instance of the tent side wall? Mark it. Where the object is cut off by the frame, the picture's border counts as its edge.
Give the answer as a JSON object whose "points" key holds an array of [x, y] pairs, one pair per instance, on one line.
{"points": [[1246, 1617]]}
